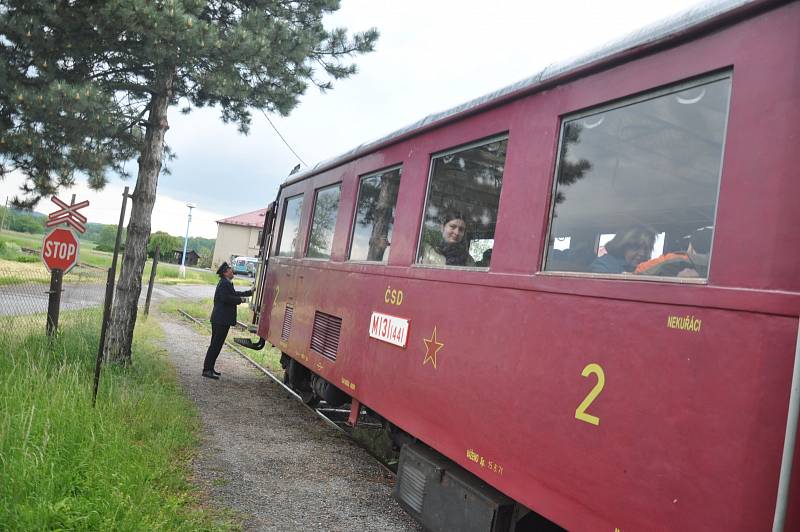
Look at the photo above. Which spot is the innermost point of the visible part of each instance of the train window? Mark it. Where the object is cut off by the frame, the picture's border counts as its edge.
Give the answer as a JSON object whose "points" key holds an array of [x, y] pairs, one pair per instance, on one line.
{"points": [[372, 230], [326, 207], [461, 209], [291, 226], [636, 184]]}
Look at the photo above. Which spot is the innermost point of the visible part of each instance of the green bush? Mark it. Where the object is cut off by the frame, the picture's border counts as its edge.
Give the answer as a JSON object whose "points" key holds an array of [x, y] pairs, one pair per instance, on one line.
{"points": [[9, 250], [12, 251]]}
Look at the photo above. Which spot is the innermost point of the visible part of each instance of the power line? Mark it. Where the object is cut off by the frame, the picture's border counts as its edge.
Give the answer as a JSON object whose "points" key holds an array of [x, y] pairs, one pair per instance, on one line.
{"points": [[283, 139]]}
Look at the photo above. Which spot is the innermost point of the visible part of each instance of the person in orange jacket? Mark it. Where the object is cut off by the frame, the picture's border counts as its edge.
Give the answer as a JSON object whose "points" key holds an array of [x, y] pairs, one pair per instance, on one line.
{"points": [[690, 263]]}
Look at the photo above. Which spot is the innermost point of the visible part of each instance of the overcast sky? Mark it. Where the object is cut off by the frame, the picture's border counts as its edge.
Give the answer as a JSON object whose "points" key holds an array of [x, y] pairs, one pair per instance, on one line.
{"points": [[431, 56]]}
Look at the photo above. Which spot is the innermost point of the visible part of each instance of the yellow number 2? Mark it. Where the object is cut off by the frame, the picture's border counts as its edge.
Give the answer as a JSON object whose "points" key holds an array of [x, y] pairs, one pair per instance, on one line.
{"points": [[580, 412]]}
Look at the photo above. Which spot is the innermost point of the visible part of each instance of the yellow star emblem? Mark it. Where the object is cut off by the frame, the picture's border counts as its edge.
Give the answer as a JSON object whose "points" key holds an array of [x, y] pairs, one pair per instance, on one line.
{"points": [[431, 344]]}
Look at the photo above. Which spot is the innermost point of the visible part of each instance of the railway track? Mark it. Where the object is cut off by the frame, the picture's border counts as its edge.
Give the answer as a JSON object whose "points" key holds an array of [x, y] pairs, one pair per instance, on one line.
{"points": [[334, 417]]}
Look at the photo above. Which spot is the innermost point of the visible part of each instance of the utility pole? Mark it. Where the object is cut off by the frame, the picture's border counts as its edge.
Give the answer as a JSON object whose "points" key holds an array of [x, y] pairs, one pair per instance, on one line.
{"points": [[186, 240]]}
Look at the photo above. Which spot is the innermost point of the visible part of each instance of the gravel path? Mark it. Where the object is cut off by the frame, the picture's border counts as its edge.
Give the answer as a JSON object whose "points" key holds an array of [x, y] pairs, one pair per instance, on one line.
{"points": [[268, 458]]}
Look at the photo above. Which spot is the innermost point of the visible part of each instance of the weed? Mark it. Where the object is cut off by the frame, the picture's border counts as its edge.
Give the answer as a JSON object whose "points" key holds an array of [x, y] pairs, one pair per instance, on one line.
{"points": [[120, 466]]}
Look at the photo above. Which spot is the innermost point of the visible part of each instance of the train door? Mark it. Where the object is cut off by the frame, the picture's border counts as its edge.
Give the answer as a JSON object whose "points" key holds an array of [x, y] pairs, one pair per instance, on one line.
{"points": [[264, 243]]}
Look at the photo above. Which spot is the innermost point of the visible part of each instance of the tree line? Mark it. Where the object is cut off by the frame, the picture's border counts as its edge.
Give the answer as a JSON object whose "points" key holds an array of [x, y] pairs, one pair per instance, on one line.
{"points": [[21, 221], [85, 88]]}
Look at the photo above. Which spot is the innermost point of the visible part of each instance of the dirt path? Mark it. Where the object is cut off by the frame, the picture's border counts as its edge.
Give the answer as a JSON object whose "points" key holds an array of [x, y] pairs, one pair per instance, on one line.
{"points": [[268, 458]]}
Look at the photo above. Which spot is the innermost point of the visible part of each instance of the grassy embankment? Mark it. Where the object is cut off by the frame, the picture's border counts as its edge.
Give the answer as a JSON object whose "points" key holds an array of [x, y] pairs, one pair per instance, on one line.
{"points": [[269, 357], [121, 466], [11, 245]]}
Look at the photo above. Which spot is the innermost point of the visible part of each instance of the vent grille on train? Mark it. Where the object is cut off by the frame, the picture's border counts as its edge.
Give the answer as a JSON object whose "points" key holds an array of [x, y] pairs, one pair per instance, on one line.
{"points": [[412, 488], [325, 334], [287, 323]]}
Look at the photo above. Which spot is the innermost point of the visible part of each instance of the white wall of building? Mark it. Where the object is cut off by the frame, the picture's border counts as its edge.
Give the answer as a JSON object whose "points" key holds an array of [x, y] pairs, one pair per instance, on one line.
{"points": [[236, 240]]}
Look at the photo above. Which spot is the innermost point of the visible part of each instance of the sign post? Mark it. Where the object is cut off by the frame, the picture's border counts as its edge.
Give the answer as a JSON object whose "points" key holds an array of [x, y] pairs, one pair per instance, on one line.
{"points": [[60, 251], [60, 254], [54, 301]]}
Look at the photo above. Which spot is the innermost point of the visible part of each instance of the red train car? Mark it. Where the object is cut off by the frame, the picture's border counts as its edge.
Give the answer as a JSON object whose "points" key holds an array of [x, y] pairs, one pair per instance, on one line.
{"points": [[625, 359]]}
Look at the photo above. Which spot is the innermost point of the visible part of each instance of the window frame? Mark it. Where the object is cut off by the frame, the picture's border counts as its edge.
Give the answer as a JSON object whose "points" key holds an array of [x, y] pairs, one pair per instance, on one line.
{"points": [[283, 224], [382, 171], [443, 153], [310, 228], [621, 103]]}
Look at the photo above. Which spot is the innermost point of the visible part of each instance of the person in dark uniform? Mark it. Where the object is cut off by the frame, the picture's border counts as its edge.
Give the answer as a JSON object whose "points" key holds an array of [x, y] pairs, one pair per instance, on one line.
{"points": [[222, 317]]}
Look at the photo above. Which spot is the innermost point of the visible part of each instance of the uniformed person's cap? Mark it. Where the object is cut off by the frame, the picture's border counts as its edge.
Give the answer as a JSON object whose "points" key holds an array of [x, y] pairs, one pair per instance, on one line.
{"points": [[222, 268]]}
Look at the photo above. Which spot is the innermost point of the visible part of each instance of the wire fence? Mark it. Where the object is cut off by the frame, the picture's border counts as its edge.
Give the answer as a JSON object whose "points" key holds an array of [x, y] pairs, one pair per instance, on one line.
{"points": [[25, 291]]}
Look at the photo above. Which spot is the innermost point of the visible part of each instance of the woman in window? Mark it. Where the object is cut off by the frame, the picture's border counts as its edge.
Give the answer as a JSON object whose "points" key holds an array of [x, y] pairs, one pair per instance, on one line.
{"points": [[626, 251], [452, 250]]}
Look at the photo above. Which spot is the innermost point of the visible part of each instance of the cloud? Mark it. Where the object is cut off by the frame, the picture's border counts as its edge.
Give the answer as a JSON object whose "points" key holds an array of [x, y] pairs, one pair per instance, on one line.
{"points": [[431, 56], [169, 213]]}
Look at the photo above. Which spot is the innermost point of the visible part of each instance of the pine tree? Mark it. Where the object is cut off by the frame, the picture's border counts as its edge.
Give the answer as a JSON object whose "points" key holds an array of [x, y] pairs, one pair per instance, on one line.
{"points": [[85, 86]]}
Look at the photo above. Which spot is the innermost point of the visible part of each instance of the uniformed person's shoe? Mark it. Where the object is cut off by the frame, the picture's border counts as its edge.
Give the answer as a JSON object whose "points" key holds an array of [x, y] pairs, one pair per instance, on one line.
{"points": [[210, 374], [217, 373]]}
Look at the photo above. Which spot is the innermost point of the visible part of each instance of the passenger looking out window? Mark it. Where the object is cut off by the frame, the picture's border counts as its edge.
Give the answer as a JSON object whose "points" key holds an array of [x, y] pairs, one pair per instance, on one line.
{"points": [[461, 209], [451, 250], [653, 161], [625, 251]]}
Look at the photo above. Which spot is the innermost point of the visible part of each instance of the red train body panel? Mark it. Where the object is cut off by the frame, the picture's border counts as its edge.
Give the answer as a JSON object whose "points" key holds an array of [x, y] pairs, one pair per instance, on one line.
{"points": [[696, 376]]}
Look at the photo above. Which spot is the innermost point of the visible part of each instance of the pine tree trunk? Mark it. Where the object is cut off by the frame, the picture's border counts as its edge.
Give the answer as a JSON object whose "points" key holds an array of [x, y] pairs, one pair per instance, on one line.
{"points": [[129, 287]]}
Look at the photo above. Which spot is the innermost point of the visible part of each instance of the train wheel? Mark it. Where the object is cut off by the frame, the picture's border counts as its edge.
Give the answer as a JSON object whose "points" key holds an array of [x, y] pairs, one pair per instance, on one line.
{"points": [[328, 392], [298, 378], [309, 397], [285, 361]]}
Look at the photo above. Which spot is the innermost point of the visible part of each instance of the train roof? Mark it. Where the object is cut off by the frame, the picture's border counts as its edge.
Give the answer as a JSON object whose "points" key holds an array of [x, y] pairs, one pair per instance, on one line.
{"points": [[680, 26]]}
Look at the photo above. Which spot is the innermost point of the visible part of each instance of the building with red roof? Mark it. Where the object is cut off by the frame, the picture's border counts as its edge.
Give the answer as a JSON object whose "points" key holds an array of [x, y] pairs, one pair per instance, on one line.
{"points": [[238, 236]]}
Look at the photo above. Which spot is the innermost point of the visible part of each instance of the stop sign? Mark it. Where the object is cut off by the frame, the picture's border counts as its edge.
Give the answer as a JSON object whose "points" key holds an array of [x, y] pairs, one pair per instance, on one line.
{"points": [[60, 249]]}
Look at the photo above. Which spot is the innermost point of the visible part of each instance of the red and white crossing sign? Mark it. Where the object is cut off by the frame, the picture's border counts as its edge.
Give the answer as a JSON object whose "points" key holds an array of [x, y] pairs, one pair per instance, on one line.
{"points": [[60, 249], [68, 214]]}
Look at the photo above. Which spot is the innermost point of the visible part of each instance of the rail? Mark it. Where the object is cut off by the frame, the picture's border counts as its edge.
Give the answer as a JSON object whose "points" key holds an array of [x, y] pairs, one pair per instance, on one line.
{"points": [[320, 412]]}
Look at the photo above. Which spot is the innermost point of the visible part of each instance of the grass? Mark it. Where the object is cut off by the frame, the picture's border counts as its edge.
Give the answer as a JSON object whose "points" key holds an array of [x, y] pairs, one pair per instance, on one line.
{"points": [[166, 273], [25, 240], [11, 251], [13, 272], [121, 466], [12, 242], [170, 274]]}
